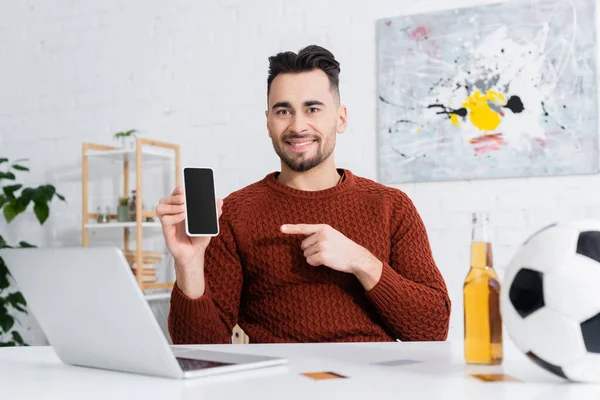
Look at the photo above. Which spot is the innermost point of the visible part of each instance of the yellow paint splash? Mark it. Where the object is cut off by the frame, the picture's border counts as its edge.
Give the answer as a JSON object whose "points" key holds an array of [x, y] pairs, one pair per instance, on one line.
{"points": [[480, 113], [454, 119]]}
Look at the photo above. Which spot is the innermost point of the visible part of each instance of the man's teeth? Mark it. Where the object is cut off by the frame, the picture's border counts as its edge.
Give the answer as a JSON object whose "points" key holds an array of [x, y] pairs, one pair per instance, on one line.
{"points": [[301, 144]]}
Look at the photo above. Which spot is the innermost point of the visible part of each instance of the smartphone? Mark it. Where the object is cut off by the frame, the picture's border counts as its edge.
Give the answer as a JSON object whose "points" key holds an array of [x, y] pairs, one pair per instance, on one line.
{"points": [[202, 215]]}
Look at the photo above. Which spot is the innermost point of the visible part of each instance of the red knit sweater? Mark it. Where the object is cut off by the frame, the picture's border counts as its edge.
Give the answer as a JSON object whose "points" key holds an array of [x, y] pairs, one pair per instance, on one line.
{"points": [[258, 277]]}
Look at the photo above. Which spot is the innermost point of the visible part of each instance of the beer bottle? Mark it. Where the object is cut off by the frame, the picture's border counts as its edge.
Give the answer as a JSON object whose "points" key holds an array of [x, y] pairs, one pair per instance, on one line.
{"points": [[481, 295]]}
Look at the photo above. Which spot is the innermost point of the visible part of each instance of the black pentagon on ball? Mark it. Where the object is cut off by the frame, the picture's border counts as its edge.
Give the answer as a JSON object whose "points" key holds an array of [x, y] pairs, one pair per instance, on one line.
{"points": [[556, 370], [588, 244], [527, 292], [591, 333]]}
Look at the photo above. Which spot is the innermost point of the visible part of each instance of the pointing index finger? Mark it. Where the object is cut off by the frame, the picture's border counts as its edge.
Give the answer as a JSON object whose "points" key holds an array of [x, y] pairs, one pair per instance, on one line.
{"points": [[301, 229]]}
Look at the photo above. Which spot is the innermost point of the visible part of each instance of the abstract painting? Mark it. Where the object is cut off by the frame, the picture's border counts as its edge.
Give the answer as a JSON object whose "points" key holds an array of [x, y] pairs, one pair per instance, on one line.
{"points": [[501, 90]]}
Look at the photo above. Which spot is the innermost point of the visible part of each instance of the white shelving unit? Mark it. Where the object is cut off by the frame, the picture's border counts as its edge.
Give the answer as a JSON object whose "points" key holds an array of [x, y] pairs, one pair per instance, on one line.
{"points": [[130, 154], [150, 150], [110, 225]]}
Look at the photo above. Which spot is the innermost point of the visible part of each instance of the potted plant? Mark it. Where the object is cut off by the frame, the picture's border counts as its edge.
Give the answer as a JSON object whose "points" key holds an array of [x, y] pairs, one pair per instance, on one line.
{"points": [[14, 200], [123, 209], [127, 138]]}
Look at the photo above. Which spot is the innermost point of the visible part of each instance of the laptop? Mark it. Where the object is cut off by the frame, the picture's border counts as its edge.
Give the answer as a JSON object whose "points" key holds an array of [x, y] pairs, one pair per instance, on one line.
{"points": [[94, 314]]}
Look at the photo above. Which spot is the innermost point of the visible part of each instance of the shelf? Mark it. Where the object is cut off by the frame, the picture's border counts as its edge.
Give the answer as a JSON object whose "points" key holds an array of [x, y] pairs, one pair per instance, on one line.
{"points": [[157, 296], [114, 216], [158, 285], [129, 154], [96, 225]]}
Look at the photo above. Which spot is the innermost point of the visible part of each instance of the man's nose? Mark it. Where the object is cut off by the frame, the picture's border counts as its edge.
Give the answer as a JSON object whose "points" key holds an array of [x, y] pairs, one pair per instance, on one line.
{"points": [[298, 124]]}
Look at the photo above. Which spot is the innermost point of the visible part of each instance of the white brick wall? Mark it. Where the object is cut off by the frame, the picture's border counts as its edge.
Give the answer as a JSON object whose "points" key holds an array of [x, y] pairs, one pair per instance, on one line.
{"points": [[195, 74]]}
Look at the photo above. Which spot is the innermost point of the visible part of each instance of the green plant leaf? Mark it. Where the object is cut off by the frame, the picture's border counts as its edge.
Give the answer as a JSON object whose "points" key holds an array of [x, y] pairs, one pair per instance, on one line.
{"points": [[7, 344], [48, 191], [27, 193], [26, 245], [4, 274], [3, 160], [21, 204], [6, 322], [19, 167], [130, 132], [11, 189], [7, 175], [4, 283], [10, 212], [17, 338], [2, 245], [3, 269], [38, 195], [16, 298], [60, 196], [21, 308], [3, 200], [41, 211], [24, 199]]}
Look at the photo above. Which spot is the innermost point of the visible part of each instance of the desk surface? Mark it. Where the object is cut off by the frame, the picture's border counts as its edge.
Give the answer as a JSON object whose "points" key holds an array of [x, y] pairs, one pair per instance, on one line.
{"points": [[373, 370]]}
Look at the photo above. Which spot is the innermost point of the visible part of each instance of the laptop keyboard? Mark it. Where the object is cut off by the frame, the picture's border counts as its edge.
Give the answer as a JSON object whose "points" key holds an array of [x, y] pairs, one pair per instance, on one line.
{"points": [[191, 364]]}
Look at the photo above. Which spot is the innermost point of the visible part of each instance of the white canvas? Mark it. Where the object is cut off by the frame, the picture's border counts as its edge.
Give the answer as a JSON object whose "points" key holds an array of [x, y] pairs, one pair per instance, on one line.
{"points": [[502, 90]]}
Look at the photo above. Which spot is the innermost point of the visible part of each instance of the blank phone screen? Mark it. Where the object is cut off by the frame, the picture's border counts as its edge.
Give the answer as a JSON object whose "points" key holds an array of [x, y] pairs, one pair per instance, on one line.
{"points": [[201, 209]]}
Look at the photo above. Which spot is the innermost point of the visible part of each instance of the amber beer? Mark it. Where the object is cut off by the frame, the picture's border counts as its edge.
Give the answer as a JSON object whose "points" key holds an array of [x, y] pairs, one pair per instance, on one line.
{"points": [[481, 291]]}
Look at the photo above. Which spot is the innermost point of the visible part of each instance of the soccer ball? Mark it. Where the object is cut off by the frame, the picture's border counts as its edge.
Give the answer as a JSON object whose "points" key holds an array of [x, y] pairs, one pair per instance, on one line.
{"points": [[550, 299]]}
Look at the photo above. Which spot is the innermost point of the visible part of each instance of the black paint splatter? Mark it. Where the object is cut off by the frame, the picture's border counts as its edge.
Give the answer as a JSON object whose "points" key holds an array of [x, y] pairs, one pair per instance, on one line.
{"points": [[436, 84], [544, 109], [399, 152], [461, 112], [386, 101], [515, 104]]}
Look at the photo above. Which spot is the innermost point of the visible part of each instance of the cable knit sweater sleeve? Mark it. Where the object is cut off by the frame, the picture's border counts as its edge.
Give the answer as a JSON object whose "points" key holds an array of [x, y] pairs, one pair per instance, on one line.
{"points": [[411, 295], [211, 317]]}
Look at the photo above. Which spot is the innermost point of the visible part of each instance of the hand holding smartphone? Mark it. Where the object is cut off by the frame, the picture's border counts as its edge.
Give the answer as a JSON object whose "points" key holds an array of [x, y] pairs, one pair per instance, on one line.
{"points": [[201, 209]]}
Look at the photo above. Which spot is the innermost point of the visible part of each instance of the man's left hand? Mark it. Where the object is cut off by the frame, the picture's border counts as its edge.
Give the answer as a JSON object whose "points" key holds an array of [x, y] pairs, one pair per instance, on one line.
{"points": [[326, 246]]}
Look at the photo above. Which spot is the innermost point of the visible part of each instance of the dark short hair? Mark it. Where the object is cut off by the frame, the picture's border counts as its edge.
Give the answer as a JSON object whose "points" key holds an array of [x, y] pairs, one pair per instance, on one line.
{"points": [[309, 58]]}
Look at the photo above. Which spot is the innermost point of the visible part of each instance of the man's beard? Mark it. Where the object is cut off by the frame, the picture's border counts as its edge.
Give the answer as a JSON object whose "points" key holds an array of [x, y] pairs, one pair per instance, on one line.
{"points": [[298, 162]]}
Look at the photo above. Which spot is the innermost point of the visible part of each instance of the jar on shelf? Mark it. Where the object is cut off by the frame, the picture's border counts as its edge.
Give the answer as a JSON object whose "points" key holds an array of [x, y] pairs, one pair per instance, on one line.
{"points": [[132, 209], [147, 218], [123, 209], [101, 218]]}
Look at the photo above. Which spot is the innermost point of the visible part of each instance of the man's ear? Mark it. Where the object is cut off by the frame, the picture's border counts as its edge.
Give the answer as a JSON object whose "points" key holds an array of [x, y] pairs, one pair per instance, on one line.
{"points": [[342, 120], [267, 122]]}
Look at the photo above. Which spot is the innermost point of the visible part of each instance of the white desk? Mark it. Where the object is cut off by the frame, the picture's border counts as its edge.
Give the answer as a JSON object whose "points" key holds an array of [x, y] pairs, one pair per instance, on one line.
{"points": [[374, 371]]}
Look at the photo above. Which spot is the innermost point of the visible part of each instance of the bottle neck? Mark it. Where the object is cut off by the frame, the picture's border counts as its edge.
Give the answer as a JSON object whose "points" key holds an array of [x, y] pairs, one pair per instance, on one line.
{"points": [[481, 243], [479, 233]]}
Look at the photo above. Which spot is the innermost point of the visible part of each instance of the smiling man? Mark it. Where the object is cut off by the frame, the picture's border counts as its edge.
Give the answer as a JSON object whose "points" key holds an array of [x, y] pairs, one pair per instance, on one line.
{"points": [[311, 253]]}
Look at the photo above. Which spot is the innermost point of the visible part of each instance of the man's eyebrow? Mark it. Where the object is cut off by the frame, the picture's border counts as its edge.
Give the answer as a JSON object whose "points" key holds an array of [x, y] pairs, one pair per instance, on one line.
{"points": [[308, 103], [313, 103], [285, 104]]}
